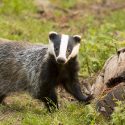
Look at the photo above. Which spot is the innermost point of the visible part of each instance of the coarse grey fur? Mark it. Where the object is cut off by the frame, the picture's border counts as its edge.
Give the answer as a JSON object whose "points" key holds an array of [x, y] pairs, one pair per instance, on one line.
{"points": [[19, 66], [24, 66]]}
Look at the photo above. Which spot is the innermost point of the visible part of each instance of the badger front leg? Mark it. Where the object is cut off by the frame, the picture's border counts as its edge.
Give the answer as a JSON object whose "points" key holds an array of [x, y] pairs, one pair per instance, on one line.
{"points": [[51, 100], [2, 98], [49, 97], [74, 89]]}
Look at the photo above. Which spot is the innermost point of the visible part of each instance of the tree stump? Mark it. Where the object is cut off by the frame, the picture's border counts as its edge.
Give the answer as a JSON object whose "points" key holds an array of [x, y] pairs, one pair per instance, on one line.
{"points": [[110, 84]]}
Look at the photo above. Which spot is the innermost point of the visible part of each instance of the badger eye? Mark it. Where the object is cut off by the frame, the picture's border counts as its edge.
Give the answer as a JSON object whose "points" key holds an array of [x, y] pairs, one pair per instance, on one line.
{"points": [[69, 50], [56, 49]]}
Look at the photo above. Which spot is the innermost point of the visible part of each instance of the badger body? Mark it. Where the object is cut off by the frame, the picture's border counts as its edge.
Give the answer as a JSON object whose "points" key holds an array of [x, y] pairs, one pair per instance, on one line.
{"points": [[20, 66], [39, 69]]}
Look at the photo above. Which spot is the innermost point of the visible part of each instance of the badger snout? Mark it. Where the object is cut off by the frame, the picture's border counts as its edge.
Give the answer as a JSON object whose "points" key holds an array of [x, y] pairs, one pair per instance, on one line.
{"points": [[61, 60]]}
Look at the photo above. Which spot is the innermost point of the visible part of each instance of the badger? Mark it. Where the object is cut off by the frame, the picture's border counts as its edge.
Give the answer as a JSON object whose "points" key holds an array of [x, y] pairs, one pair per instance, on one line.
{"points": [[39, 69]]}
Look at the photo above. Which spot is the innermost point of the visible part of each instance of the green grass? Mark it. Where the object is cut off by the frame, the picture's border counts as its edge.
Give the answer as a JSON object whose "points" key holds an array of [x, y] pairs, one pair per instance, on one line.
{"points": [[102, 34], [31, 112]]}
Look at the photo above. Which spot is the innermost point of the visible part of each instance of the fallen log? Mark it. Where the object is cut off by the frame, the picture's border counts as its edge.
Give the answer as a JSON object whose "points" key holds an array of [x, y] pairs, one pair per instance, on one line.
{"points": [[110, 84], [107, 103]]}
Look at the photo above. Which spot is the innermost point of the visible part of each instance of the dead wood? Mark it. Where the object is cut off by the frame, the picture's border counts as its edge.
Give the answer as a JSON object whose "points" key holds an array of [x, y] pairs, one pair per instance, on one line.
{"points": [[110, 84]]}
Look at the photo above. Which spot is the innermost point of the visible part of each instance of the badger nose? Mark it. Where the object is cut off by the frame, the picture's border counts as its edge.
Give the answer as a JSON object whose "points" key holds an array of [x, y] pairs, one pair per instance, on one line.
{"points": [[61, 60]]}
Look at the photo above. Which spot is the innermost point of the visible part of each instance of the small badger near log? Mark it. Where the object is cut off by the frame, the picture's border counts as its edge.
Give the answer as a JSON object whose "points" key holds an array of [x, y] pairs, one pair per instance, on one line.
{"points": [[39, 69], [110, 84]]}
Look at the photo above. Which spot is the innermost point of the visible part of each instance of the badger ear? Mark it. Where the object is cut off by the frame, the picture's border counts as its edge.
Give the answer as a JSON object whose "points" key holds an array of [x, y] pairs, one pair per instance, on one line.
{"points": [[52, 35], [77, 38]]}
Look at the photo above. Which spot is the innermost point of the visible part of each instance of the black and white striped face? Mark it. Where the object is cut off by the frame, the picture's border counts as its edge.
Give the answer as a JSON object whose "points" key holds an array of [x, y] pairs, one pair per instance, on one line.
{"points": [[63, 47]]}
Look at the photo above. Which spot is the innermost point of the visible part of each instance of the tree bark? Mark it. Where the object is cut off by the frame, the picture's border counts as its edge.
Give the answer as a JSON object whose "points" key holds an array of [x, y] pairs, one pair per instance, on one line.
{"points": [[110, 84]]}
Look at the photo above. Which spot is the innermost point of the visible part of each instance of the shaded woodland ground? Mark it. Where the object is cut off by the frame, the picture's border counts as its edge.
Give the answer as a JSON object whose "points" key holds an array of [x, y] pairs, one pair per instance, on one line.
{"points": [[102, 26]]}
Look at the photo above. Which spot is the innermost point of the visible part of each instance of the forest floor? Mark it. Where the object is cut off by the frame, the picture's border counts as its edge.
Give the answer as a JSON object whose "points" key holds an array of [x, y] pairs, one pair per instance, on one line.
{"points": [[101, 23]]}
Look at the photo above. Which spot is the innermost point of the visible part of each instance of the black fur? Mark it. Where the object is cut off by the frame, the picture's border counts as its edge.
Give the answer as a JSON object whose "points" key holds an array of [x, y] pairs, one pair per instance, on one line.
{"points": [[116, 80], [56, 74]]}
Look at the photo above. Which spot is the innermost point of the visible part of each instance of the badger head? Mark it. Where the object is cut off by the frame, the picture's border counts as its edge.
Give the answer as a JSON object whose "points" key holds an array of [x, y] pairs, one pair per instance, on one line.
{"points": [[63, 47]]}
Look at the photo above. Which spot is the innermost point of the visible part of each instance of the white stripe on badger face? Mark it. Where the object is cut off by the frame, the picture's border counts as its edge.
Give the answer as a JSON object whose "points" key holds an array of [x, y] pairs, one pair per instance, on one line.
{"points": [[63, 46], [74, 51], [51, 48]]}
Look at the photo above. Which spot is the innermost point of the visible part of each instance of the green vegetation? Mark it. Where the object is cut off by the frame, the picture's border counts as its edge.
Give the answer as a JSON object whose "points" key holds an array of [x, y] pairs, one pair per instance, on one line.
{"points": [[103, 32], [30, 112]]}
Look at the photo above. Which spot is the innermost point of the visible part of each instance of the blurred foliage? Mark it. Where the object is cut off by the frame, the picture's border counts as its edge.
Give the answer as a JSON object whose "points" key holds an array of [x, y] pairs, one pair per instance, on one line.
{"points": [[118, 117], [16, 7]]}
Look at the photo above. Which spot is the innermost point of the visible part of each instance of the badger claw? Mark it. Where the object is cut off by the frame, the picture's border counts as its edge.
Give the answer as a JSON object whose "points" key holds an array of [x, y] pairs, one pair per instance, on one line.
{"points": [[89, 99]]}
